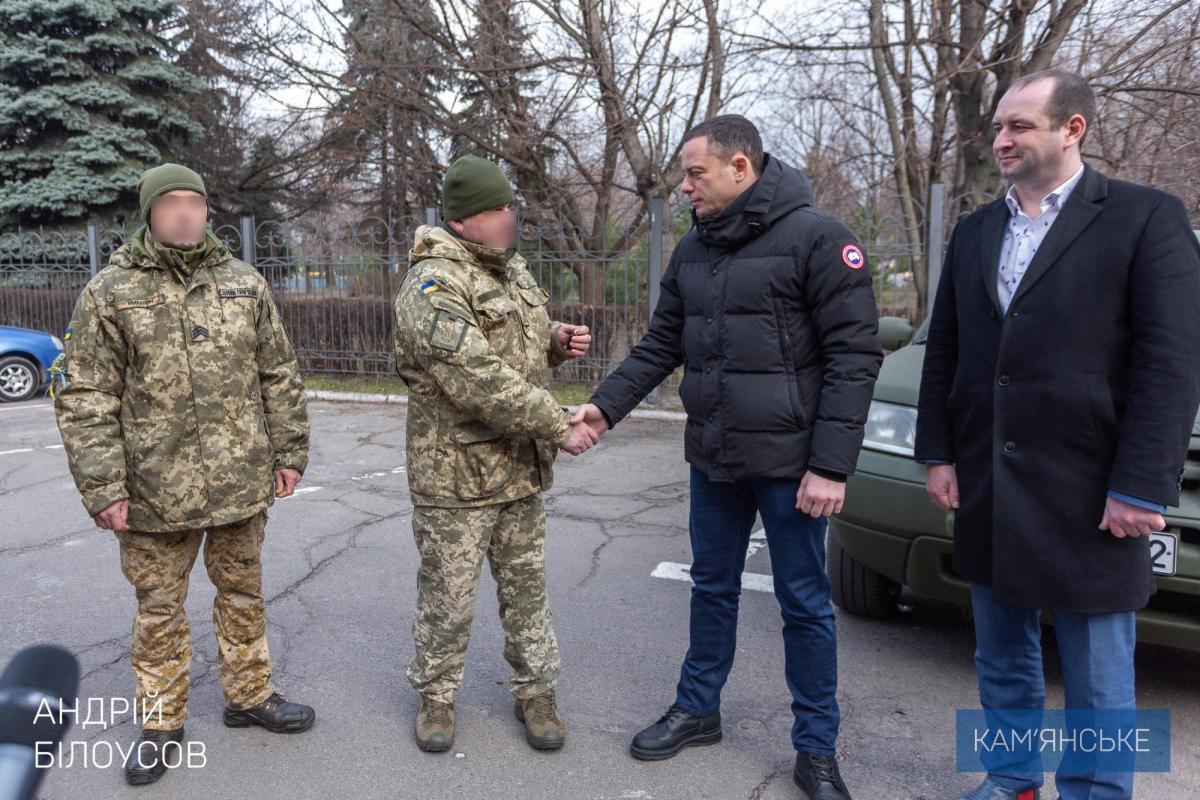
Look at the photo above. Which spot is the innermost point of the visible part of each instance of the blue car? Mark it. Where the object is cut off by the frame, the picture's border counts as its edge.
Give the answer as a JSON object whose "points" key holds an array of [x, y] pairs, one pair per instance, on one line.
{"points": [[25, 359]]}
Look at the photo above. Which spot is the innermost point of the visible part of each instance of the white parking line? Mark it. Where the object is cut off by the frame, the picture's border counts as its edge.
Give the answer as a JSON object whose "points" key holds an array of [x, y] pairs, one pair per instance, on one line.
{"points": [[49, 406], [369, 475], [30, 449], [750, 580], [303, 490], [683, 572], [758, 540]]}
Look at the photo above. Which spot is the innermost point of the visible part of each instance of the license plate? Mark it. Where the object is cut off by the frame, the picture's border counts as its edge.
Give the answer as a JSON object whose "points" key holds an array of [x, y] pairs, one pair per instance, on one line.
{"points": [[1163, 546]]}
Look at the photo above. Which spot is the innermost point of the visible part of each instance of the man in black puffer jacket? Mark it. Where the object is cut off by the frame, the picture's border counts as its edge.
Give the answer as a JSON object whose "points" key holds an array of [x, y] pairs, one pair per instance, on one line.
{"points": [[768, 305]]}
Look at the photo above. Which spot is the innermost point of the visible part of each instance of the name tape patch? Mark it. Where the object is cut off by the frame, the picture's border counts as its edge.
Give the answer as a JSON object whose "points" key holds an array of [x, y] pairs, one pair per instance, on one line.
{"points": [[133, 302]]}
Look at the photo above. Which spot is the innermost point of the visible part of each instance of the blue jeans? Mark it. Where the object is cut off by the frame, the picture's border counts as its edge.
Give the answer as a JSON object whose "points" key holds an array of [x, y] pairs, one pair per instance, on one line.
{"points": [[1096, 652], [720, 523]]}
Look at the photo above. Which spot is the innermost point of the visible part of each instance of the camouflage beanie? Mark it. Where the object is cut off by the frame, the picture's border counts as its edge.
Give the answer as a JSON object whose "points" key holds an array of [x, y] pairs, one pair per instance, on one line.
{"points": [[472, 185], [166, 178]]}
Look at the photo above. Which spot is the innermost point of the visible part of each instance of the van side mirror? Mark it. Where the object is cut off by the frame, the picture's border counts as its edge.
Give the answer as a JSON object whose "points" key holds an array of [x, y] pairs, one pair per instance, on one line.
{"points": [[894, 332]]}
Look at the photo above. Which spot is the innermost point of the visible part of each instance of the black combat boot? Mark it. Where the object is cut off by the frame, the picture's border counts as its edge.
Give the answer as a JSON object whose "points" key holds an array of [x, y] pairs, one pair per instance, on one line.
{"points": [[818, 777], [146, 764], [275, 714], [676, 730]]}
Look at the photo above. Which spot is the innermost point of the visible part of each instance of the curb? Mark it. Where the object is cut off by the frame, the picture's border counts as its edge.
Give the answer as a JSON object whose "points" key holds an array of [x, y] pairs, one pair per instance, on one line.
{"points": [[355, 397], [368, 397]]}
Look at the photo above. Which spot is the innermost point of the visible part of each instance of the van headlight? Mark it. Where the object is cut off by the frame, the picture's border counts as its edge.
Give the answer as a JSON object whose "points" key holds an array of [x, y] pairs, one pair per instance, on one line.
{"points": [[891, 428]]}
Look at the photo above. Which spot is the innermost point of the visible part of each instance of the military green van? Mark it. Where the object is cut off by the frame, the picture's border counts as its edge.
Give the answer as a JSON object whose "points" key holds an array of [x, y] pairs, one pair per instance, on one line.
{"points": [[889, 535]]}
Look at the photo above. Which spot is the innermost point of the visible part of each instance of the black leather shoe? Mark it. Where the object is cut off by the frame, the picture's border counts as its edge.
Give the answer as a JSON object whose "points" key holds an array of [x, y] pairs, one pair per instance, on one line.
{"points": [[676, 730], [146, 763], [275, 714], [818, 777]]}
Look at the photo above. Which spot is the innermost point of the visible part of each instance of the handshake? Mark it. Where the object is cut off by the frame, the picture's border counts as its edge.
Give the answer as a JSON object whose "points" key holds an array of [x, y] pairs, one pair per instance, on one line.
{"points": [[587, 426]]}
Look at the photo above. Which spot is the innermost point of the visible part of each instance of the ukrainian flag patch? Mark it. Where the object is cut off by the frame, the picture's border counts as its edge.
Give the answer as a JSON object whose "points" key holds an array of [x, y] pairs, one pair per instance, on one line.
{"points": [[429, 287]]}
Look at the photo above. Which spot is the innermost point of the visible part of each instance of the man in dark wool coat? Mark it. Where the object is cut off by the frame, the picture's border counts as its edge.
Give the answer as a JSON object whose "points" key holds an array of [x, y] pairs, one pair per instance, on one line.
{"points": [[1061, 382]]}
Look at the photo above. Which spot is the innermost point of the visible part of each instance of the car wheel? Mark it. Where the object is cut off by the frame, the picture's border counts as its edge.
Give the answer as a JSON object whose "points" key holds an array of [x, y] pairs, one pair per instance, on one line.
{"points": [[19, 379], [856, 587]]}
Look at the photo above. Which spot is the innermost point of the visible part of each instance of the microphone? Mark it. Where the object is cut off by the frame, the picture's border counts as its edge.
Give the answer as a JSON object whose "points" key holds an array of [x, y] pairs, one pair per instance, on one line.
{"points": [[37, 679]]}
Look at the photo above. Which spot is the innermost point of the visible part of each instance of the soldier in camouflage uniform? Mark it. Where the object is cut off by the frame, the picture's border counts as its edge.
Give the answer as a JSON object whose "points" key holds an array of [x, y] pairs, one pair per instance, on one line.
{"points": [[183, 418], [475, 346]]}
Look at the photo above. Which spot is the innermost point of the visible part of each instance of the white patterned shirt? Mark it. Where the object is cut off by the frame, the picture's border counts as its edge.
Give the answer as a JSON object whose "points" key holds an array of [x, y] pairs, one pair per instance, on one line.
{"points": [[1023, 236]]}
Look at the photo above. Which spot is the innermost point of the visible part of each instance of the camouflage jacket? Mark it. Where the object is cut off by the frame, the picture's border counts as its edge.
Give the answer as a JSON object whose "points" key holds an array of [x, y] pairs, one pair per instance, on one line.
{"points": [[475, 346], [181, 395]]}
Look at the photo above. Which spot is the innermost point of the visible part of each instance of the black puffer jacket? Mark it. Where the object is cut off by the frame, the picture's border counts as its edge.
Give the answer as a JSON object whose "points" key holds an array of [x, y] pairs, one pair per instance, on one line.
{"points": [[769, 307]]}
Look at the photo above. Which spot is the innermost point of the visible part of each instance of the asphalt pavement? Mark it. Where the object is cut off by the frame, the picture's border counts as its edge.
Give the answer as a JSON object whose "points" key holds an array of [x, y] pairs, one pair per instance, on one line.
{"points": [[339, 574]]}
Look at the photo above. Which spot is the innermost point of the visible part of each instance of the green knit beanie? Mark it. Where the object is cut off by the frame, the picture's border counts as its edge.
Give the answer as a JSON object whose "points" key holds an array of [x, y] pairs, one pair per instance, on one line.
{"points": [[472, 185], [166, 178]]}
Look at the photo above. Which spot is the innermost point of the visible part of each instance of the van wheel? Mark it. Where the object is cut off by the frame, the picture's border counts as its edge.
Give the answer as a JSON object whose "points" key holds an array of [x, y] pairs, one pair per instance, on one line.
{"points": [[19, 379], [857, 588]]}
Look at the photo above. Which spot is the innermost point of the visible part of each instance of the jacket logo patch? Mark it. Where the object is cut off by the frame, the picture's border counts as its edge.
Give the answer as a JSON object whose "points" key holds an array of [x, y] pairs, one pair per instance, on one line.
{"points": [[199, 333], [429, 287], [852, 256], [237, 292]]}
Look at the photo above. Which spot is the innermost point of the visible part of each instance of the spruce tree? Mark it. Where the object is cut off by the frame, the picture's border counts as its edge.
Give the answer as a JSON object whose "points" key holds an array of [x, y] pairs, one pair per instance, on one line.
{"points": [[495, 90], [88, 99], [391, 66], [498, 93]]}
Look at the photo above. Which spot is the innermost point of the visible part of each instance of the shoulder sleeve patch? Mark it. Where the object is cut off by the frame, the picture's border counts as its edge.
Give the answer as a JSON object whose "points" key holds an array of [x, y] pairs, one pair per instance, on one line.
{"points": [[447, 331]]}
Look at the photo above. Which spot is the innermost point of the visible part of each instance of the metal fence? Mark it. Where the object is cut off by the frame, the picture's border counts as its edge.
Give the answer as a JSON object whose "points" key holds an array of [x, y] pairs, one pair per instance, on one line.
{"points": [[335, 282]]}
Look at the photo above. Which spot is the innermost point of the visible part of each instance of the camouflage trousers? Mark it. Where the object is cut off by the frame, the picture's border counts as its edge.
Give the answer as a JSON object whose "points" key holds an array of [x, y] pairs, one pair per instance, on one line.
{"points": [[452, 543], [158, 566]]}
